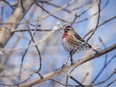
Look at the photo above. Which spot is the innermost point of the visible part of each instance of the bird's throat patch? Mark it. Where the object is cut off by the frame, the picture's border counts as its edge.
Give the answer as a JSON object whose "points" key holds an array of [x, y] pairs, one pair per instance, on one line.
{"points": [[64, 35]]}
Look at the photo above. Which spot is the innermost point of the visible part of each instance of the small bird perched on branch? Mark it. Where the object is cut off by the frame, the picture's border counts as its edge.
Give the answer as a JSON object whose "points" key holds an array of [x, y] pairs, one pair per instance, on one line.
{"points": [[72, 42]]}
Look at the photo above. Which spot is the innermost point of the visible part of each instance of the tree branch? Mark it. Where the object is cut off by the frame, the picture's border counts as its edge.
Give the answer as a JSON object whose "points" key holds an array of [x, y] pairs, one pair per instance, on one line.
{"points": [[15, 17], [66, 68]]}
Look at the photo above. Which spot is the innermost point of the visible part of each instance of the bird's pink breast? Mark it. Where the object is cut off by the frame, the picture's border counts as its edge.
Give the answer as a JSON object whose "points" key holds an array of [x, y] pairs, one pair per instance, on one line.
{"points": [[64, 35]]}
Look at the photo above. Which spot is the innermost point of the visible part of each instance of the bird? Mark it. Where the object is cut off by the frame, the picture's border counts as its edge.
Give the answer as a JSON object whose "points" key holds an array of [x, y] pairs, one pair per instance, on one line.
{"points": [[72, 42]]}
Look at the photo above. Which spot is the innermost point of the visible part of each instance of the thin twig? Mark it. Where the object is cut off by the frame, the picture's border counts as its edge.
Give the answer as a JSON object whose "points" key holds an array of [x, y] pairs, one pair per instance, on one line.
{"points": [[77, 16], [63, 7], [12, 85], [106, 21], [66, 68], [108, 85], [61, 83], [50, 13], [98, 19], [80, 7], [25, 30], [74, 19], [103, 68], [22, 59], [86, 9], [39, 54], [85, 77], [85, 19], [21, 65], [67, 78], [8, 4], [104, 80], [106, 56], [51, 4], [71, 77], [77, 81], [1, 14]]}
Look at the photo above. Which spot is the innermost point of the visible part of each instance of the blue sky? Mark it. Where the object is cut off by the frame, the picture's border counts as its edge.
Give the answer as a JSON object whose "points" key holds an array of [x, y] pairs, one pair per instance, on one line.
{"points": [[53, 53]]}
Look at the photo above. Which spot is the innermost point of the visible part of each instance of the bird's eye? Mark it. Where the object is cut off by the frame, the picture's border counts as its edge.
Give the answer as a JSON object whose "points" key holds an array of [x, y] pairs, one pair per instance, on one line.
{"points": [[66, 30]]}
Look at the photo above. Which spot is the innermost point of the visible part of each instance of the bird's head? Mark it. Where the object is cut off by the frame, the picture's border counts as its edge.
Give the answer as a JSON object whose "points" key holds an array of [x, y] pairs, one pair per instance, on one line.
{"points": [[68, 30]]}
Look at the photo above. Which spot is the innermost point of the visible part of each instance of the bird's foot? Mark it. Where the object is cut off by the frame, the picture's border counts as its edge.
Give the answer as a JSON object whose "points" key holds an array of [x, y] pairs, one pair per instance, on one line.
{"points": [[97, 52], [72, 63]]}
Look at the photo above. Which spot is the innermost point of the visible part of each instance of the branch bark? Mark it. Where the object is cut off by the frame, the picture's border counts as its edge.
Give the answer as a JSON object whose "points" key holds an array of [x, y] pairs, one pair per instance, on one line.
{"points": [[77, 63], [14, 19]]}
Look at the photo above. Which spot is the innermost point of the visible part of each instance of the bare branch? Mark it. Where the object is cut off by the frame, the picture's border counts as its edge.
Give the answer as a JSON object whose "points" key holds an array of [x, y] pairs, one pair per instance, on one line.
{"points": [[85, 19], [106, 21], [103, 68], [15, 17], [112, 74], [110, 83], [85, 77], [61, 83], [50, 13], [38, 51], [51, 4], [98, 19], [25, 30], [8, 3], [77, 63]]}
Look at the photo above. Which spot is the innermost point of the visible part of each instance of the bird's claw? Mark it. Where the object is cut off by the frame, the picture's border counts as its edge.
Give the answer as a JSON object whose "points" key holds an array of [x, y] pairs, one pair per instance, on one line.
{"points": [[97, 52], [72, 63]]}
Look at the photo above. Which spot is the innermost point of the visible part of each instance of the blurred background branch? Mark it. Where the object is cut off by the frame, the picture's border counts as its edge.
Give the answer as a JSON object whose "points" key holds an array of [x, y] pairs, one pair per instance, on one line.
{"points": [[31, 43]]}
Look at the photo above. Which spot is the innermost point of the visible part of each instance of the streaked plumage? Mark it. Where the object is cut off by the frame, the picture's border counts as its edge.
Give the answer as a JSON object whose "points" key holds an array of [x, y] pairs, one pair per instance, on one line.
{"points": [[71, 40]]}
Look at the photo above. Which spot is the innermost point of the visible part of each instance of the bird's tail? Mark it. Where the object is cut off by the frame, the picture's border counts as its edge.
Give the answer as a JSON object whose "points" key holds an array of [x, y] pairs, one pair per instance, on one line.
{"points": [[92, 48]]}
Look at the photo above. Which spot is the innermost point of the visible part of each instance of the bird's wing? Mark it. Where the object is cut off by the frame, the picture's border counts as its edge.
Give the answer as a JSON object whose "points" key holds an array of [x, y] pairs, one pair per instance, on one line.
{"points": [[78, 37]]}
